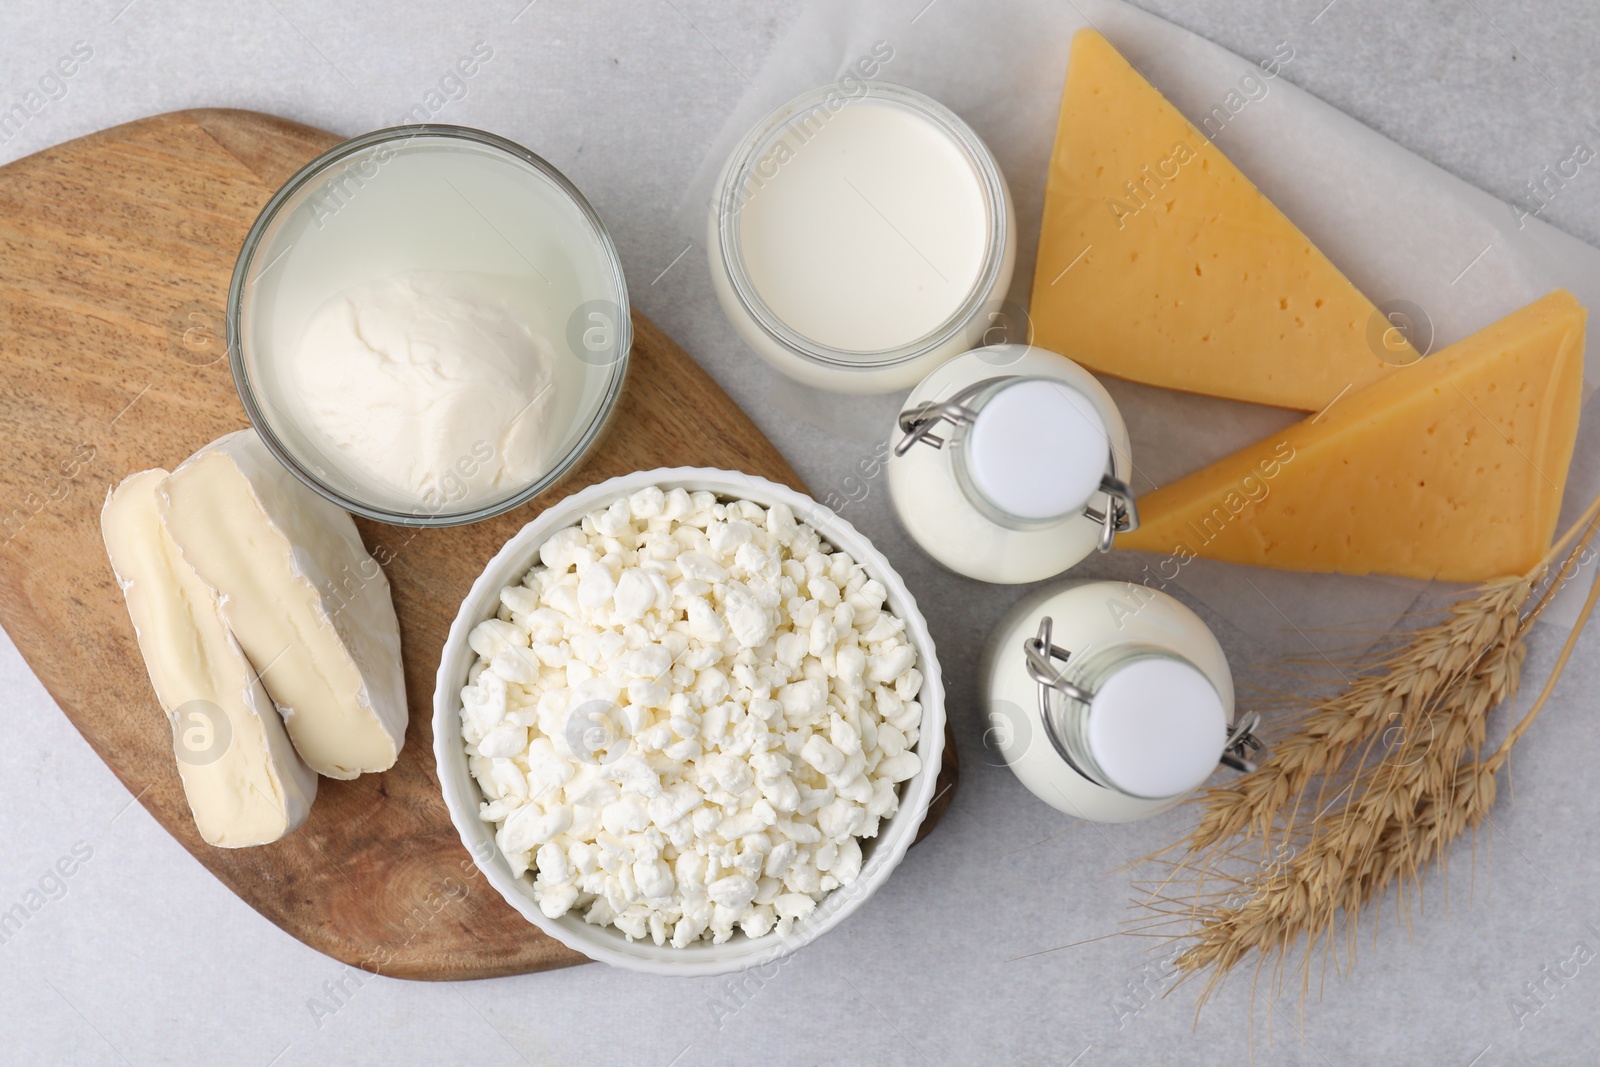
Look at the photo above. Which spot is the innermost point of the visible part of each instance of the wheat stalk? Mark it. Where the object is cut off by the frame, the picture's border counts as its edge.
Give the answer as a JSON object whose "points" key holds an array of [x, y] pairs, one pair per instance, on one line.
{"points": [[1400, 816], [1402, 812], [1396, 688]]}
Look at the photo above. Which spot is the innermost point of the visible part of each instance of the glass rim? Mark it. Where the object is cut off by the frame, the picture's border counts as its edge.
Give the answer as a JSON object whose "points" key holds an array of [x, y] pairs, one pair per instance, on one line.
{"points": [[315, 168], [752, 149]]}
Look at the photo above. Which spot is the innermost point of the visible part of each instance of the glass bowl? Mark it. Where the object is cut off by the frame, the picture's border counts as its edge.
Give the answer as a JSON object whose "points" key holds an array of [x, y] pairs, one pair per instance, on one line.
{"points": [[442, 201]]}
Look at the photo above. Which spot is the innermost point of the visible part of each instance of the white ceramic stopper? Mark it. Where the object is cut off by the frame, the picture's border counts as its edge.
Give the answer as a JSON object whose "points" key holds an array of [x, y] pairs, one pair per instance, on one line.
{"points": [[1037, 449], [1157, 728]]}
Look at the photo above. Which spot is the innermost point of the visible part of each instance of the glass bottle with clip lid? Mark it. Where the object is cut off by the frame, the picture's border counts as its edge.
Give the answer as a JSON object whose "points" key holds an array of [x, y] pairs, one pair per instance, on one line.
{"points": [[1111, 701], [1012, 464]]}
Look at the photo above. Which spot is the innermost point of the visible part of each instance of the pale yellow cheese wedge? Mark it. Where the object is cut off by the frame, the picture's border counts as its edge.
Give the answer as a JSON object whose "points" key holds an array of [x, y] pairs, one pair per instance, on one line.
{"points": [[308, 604], [1451, 468], [1160, 262], [243, 780]]}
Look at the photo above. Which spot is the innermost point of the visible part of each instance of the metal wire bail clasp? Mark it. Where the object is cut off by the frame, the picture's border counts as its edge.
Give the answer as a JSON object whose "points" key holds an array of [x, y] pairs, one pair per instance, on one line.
{"points": [[918, 423], [1239, 752], [1041, 654], [1121, 514]]}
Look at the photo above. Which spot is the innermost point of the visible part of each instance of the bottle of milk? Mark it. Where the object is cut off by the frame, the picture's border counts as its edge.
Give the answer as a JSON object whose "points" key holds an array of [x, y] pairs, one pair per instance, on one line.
{"points": [[1011, 465], [1111, 701]]}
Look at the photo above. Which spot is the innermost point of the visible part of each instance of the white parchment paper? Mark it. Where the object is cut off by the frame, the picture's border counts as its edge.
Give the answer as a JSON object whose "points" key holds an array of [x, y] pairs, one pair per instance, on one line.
{"points": [[1398, 226]]}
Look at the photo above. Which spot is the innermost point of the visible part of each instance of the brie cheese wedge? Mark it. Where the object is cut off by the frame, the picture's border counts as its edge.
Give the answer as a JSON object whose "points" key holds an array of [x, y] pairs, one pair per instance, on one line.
{"points": [[243, 780], [308, 604]]}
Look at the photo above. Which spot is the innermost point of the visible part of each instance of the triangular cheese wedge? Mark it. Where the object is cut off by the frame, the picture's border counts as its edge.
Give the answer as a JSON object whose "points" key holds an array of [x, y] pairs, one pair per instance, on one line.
{"points": [[1450, 468], [1160, 262]]}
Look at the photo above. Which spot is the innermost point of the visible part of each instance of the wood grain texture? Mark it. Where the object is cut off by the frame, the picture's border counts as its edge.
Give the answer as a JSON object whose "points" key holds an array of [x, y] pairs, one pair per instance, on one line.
{"points": [[115, 254]]}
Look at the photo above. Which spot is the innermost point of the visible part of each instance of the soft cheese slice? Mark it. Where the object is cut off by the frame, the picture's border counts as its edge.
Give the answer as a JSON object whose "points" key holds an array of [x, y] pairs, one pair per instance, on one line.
{"points": [[1160, 262], [307, 602], [244, 782], [1452, 468]]}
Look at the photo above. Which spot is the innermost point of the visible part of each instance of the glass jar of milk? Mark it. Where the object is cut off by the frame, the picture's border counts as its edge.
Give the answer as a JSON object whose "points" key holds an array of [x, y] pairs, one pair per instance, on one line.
{"points": [[1011, 465], [860, 235], [1111, 701]]}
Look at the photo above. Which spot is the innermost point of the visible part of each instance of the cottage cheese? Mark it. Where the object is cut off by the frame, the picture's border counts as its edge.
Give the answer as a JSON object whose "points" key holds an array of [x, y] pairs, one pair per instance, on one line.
{"points": [[687, 718]]}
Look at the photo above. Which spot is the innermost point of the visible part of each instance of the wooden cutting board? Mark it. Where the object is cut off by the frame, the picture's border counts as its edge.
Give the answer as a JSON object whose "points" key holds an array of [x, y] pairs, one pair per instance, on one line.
{"points": [[115, 255]]}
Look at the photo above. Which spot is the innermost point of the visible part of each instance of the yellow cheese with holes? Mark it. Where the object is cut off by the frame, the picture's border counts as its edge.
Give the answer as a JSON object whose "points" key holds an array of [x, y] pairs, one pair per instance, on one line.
{"points": [[1159, 261], [1452, 467]]}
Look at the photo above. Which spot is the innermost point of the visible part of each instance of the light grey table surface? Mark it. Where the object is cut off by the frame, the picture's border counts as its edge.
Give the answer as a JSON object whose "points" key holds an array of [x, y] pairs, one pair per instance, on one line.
{"points": [[142, 957]]}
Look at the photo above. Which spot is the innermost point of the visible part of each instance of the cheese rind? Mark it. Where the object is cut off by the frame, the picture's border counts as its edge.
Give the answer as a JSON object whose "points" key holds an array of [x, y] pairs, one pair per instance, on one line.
{"points": [[310, 606], [1160, 262], [1452, 468], [242, 777]]}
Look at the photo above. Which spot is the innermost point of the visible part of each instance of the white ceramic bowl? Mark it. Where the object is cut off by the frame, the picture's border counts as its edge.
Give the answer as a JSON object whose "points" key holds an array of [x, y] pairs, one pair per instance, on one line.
{"points": [[606, 943]]}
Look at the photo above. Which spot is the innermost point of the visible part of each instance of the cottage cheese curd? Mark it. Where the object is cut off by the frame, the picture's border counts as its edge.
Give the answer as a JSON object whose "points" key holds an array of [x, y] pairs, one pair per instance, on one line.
{"points": [[688, 716]]}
